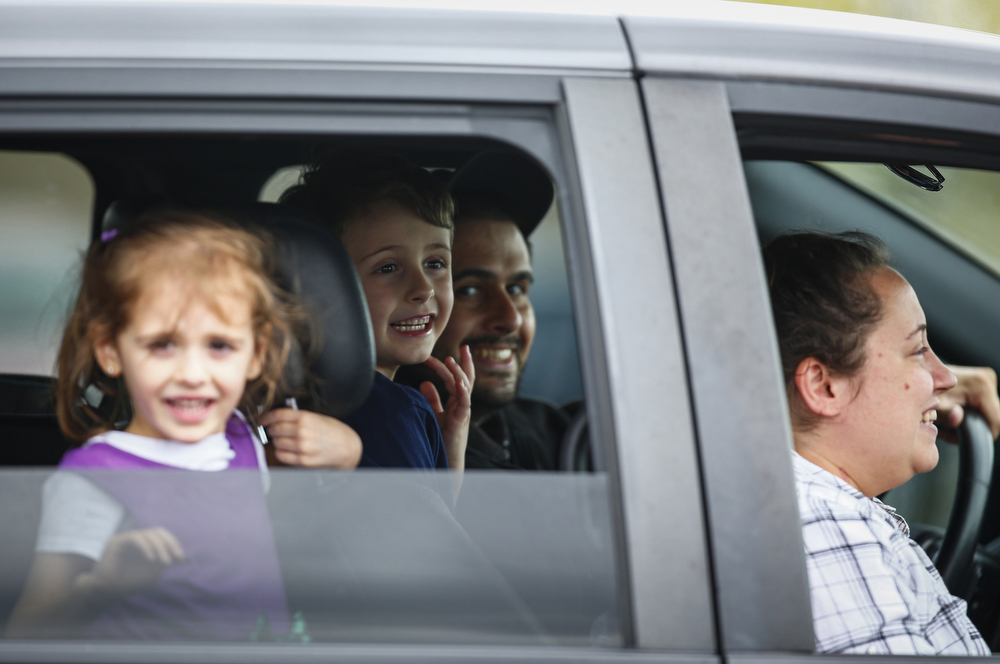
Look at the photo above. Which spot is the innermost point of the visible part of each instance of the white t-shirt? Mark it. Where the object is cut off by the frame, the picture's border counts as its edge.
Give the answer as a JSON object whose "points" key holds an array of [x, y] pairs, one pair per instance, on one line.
{"points": [[80, 517]]}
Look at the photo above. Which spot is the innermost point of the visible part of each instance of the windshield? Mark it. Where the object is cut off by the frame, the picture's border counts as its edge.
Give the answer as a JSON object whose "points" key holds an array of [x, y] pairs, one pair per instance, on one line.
{"points": [[964, 213]]}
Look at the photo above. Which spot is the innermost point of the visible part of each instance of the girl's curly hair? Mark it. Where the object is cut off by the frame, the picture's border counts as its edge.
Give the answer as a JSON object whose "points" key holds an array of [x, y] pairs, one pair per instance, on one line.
{"points": [[210, 257]]}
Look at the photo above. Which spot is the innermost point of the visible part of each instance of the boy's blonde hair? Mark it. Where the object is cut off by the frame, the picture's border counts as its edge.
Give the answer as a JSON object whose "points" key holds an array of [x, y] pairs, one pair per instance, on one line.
{"points": [[205, 252]]}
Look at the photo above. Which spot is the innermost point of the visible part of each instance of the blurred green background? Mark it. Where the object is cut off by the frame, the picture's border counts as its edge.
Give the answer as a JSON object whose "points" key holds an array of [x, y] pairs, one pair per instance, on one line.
{"points": [[983, 15]]}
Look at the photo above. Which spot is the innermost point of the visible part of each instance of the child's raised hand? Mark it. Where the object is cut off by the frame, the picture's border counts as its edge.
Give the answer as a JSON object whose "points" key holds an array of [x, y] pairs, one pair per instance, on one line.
{"points": [[133, 560], [64, 592], [453, 419], [304, 438]]}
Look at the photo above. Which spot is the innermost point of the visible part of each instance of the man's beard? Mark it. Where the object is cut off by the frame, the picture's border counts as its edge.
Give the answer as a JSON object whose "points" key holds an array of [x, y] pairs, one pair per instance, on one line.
{"points": [[488, 399], [495, 397]]}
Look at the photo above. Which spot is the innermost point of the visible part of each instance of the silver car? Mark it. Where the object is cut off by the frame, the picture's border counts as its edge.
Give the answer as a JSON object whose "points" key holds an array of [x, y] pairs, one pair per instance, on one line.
{"points": [[676, 142]]}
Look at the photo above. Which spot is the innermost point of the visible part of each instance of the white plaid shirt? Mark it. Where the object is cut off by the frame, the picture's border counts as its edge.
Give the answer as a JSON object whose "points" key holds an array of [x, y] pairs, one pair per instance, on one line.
{"points": [[874, 590]]}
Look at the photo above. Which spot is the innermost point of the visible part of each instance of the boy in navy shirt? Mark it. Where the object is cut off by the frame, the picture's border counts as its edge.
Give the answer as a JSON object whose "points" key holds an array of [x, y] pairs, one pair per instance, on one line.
{"points": [[395, 220]]}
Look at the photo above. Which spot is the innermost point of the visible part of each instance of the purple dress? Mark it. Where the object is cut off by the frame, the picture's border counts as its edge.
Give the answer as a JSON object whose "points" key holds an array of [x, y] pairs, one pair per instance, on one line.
{"points": [[230, 582]]}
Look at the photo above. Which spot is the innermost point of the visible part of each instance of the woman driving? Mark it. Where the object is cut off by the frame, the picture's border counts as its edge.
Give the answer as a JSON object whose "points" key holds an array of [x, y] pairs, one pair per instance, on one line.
{"points": [[863, 390]]}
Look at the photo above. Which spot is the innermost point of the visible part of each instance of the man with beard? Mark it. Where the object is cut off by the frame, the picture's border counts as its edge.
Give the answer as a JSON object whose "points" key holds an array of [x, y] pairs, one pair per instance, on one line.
{"points": [[500, 197]]}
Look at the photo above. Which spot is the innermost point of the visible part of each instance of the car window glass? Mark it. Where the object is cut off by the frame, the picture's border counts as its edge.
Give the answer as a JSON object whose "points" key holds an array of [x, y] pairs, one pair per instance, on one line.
{"points": [[363, 557], [553, 373], [965, 213], [46, 201], [280, 180], [841, 196], [323, 556], [555, 341], [944, 243]]}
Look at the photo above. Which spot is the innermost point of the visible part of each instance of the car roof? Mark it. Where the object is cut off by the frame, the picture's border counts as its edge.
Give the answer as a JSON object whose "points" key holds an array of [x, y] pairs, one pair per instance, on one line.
{"points": [[760, 42], [309, 35], [732, 40]]}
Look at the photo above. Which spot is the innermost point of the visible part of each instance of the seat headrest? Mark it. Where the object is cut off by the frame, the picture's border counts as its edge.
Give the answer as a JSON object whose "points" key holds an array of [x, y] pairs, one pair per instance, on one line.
{"points": [[314, 266]]}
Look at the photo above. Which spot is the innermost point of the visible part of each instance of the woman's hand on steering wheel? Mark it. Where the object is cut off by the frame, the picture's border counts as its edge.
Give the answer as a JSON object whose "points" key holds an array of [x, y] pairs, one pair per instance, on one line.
{"points": [[976, 388]]}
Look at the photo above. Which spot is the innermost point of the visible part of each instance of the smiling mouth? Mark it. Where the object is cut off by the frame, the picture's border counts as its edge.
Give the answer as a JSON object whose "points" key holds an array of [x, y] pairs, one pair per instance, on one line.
{"points": [[189, 403], [930, 416], [415, 324], [493, 354], [189, 410]]}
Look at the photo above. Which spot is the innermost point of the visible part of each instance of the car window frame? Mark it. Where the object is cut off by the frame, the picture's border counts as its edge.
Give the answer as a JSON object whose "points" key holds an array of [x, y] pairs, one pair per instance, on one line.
{"points": [[733, 361]]}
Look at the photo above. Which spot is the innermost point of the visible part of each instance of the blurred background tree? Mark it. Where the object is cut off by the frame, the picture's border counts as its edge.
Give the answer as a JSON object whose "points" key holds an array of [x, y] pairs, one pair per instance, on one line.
{"points": [[983, 15]]}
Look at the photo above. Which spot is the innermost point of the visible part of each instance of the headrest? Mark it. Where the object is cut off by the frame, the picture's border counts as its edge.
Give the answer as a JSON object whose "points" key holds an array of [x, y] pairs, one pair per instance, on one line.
{"points": [[512, 180], [314, 266], [124, 211], [27, 394]]}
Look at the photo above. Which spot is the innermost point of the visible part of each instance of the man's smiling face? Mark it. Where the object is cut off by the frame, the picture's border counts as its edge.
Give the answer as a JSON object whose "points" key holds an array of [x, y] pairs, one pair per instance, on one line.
{"points": [[491, 272]]}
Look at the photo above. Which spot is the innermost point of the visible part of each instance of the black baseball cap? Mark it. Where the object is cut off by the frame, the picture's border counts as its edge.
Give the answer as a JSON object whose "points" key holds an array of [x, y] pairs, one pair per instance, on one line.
{"points": [[512, 180]]}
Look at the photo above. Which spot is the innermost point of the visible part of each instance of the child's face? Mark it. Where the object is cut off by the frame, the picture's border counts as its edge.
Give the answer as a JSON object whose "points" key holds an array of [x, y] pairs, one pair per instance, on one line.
{"points": [[405, 269], [185, 374]]}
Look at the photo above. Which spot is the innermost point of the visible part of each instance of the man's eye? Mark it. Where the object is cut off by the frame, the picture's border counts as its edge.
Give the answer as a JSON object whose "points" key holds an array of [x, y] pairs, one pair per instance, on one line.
{"points": [[466, 291], [517, 289]]}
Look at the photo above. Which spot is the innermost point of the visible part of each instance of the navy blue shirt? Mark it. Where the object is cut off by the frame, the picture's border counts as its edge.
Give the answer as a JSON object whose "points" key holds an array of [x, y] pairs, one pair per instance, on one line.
{"points": [[397, 428]]}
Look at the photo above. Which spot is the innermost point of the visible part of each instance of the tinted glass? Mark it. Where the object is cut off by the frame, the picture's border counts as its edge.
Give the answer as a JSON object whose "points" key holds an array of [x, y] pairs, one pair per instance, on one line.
{"points": [[941, 242], [368, 556], [46, 202], [394, 556], [965, 213]]}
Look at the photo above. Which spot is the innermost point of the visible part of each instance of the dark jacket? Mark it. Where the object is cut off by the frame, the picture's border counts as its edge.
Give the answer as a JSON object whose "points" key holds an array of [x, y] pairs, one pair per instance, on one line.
{"points": [[526, 434]]}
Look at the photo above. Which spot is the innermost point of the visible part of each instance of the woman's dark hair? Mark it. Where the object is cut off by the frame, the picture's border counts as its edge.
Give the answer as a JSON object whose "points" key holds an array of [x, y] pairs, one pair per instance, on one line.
{"points": [[347, 183], [821, 296]]}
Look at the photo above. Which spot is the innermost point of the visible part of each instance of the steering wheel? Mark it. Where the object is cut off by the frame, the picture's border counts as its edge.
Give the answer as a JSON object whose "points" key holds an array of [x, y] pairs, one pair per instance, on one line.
{"points": [[576, 453], [975, 472]]}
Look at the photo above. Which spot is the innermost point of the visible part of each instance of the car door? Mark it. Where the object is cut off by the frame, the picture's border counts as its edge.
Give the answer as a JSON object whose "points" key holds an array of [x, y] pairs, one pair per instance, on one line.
{"points": [[120, 85], [724, 100]]}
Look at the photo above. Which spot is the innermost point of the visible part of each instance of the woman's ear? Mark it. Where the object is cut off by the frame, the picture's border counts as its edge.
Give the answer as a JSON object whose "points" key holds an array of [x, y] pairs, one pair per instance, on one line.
{"points": [[108, 358], [823, 392]]}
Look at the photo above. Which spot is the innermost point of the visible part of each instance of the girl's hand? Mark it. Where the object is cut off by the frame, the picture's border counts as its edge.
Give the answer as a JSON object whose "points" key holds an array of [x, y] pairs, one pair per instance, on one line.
{"points": [[133, 560], [64, 591], [304, 438], [454, 420]]}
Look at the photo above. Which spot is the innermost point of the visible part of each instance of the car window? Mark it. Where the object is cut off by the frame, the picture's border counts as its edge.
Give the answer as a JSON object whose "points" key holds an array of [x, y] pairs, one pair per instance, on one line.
{"points": [[554, 373], [46, 202], [964, 213], [942, 242], [278, 182], [962, 216], [371, 556]]}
